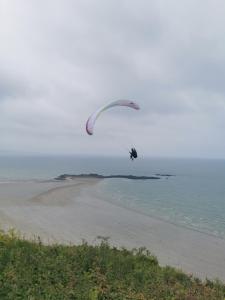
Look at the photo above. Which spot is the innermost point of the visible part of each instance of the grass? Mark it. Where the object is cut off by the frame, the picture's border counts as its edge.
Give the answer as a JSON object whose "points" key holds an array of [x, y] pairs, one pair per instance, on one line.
{"points": [[31, 270]]}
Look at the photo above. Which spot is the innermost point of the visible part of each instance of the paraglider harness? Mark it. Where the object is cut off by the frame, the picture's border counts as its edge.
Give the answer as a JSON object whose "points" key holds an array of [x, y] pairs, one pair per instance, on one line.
{"points": [[133, 153]]}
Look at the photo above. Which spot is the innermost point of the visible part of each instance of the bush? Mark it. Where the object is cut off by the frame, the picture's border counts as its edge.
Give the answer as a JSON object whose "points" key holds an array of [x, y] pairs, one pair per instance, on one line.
{"points": [[31, 270]]}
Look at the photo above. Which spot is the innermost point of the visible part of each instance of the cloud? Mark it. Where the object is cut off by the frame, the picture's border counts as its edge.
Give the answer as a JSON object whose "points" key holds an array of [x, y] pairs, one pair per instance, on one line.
{"points": [[60, 60]]}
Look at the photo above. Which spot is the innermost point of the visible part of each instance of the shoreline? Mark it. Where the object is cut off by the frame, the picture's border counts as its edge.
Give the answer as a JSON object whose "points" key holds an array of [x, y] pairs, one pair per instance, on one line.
{"points": [[161, 219], [72, 211]]}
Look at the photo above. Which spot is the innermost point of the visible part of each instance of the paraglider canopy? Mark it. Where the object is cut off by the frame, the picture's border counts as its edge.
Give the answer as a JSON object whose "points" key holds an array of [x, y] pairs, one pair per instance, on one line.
{"points": [[92, 119]]}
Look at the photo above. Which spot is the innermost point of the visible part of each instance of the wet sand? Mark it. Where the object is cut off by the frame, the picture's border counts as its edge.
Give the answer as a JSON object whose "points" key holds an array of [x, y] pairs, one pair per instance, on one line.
{"points": [[70, 211]]}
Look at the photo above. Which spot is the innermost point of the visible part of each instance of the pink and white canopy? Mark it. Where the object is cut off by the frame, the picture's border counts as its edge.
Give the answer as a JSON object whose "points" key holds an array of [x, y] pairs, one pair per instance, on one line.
{"points": [[91, 120]]}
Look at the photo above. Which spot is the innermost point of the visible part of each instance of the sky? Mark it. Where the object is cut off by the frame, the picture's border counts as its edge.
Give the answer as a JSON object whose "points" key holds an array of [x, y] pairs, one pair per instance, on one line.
{"points": [[60, 60]]}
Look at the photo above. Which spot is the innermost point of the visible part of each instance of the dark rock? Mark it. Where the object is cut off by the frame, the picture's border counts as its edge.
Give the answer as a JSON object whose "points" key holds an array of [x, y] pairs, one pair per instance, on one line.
{"points": [[93, 175]]}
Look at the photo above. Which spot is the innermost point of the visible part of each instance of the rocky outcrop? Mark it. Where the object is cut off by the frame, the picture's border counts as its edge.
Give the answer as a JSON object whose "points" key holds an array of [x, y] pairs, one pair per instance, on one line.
{"points": [[93, 175]]}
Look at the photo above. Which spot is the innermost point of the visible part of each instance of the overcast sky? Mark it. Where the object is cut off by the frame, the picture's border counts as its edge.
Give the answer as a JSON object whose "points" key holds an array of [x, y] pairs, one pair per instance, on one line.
{"points": [[61, 60]]}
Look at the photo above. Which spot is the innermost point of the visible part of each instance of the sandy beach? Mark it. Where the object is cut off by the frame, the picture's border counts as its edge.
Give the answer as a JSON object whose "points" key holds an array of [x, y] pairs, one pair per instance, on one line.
{"points": [[70, 211]]}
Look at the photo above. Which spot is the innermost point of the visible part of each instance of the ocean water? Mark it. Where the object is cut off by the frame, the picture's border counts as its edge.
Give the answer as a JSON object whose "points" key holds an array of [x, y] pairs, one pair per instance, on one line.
{"points": [[193, 198]]}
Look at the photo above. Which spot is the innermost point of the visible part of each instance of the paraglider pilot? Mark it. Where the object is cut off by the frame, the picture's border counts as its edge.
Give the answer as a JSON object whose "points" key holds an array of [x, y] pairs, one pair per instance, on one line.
{"points": [[133, 153]]}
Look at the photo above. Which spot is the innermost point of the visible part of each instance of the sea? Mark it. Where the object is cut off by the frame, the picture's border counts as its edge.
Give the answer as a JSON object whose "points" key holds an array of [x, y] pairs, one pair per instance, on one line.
{"points": [[193, 197]]}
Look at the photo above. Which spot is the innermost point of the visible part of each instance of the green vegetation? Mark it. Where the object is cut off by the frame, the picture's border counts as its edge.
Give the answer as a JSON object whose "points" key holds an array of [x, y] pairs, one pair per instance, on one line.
{"points": [[31, 270]]}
